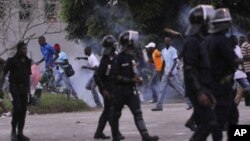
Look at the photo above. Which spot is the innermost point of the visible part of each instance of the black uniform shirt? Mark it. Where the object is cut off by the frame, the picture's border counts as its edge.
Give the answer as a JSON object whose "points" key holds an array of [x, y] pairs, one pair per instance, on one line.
{"points": [[196, 66], [103, 73], [19, 69], [222, 61], [123, 70], [221, 54]]}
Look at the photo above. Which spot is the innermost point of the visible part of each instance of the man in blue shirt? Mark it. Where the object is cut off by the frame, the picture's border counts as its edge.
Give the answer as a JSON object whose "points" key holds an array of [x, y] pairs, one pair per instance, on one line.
{"points": [[48, 53]]}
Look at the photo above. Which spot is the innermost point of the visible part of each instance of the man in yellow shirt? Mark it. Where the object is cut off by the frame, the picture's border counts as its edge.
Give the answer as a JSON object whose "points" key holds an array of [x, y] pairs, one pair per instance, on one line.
{"points": [[157, 61]]}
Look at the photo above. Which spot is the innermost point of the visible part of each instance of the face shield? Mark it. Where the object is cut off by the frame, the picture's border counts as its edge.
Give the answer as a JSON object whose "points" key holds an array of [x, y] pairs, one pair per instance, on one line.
{"points": [[221, 21], [133, 36], [199, 16], [208, 11], [107, 51], [109, 44], [128, 39]]}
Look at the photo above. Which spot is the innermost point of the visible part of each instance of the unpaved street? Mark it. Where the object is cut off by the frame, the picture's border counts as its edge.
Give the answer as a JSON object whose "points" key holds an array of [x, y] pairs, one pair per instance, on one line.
{"points": [[168, 124]]}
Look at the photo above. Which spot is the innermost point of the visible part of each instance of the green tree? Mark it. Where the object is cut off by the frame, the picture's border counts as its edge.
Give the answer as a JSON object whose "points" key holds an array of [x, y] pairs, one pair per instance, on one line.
{"points": [[75, 14], [86, 18]]}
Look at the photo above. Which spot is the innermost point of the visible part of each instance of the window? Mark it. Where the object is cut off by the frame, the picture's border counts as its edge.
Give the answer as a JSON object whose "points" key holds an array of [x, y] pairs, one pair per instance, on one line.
{"points": [[51, 10], [26, 7]]}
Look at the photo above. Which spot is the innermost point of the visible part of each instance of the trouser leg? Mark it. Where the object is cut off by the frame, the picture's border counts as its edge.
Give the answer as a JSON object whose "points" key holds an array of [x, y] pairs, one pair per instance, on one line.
{"points": [[179, 88], [222, 114], [47, 77], [20, 100], [162, 93], [134, 106], [118, 103], [105, 116], [91, 85], [205, 119], [68, 84], [16, 109], [152, 85], [21, 121], [233, 115], [190, 123]]}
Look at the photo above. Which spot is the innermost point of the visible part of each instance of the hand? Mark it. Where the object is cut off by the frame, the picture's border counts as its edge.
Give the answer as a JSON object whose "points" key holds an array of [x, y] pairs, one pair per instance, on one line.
{"points": [[138, 80], [77, 58], [203, 99], [37, 63], [170, 74], [105, 93], [238, 97], [84, 67]]}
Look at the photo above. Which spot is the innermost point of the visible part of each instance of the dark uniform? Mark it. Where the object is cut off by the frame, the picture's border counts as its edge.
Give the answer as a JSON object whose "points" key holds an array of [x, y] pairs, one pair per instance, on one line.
{"points": [[103, 80], [222, 60], [19, 69], [2, 62], [197, 76], [125, 93]]}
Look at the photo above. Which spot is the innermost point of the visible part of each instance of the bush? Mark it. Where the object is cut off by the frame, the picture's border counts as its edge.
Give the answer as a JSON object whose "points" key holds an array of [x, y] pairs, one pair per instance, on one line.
{"points": [[53, 103]]}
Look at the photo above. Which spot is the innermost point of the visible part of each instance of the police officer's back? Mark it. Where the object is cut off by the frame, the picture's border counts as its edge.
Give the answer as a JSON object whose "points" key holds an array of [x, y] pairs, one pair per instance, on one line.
{"points": [[196, 73], [222, 60], [221, 54]]}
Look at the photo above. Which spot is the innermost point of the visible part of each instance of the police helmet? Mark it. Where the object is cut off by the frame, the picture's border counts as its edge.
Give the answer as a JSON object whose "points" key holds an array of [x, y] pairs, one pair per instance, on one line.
{"points": [[109, 44], [128, 39], [221, 20], [198, 16], [108, 41]]}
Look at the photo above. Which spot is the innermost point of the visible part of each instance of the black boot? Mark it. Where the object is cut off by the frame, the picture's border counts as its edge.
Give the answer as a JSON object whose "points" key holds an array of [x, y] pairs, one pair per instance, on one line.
{"points": [[13, 135], [120, 136], [101, 136], [116, 139], [191, 125], [150, 138], [22, 137]]}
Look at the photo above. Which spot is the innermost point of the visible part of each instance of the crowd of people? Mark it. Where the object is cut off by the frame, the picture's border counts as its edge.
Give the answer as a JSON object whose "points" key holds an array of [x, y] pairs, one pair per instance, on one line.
{"points": [[213, 66]]}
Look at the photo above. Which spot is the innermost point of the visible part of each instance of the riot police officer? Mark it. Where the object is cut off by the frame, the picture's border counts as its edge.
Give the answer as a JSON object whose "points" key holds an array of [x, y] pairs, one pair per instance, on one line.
{"points": [[103, 80], [223, 62], [196, 72], [125, 91]]}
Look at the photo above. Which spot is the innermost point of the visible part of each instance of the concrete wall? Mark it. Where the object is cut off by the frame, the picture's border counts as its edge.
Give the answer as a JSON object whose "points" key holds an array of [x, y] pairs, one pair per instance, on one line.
{"points": [[72, 49]]}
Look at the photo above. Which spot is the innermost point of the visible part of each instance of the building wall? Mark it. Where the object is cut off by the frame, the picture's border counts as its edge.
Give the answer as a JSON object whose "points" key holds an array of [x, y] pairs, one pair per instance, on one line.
{"points": [[72, 49]]}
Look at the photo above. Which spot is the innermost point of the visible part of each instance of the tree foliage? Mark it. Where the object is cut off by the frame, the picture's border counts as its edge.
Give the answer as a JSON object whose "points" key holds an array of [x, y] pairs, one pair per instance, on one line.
{"points": [[96, 18], [75, 13], [86, 18]]}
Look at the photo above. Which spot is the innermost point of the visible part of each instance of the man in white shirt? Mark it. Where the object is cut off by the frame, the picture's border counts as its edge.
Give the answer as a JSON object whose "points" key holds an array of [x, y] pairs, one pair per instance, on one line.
{"points": [[93, 65], [63, 60], [169, 78]]}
